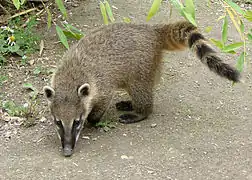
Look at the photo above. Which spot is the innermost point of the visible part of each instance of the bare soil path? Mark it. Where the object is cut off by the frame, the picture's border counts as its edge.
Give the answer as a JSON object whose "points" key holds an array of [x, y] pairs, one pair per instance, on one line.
{"points": [[203, 124]]}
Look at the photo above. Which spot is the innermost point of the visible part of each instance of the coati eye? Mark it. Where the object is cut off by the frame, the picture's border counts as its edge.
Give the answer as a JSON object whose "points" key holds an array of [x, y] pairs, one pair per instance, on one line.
{"points": [[58, 123]]}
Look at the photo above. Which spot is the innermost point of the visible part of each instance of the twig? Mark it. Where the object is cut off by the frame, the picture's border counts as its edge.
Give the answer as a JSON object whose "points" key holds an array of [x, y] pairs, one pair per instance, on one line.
{"points": [[22, 13], [5, 10]]}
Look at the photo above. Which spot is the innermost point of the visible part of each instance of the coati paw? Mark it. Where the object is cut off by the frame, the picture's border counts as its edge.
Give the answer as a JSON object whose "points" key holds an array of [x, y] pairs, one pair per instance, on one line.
{"points": [[130, 118], [92, 122], [124, 106]]}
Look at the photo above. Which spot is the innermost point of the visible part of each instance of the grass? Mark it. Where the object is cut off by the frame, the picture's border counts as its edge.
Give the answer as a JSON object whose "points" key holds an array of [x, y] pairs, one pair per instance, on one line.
{"points": [[28, 111], [18, 38]]}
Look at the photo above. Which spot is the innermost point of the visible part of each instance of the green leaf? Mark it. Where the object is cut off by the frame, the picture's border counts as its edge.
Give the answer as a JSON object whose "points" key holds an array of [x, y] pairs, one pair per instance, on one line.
{"points": [[190, 8], [242, 26], [14, 48], [178, 5], [126, 20], [71, 34], [224, 30], [103, 12], [220, 18], [72, 31], [72, 28], [232, 47], [189, 17], [61, 7], [250, 37], [109, 11], [154, 8], [248, 15], [37, 70], [240, 62], [29, 86], [62, 37], [49, 18], [217, 43], [208, 29], [20, 52], [231, 52], [16, 4], [235, 6], [22, 2]]}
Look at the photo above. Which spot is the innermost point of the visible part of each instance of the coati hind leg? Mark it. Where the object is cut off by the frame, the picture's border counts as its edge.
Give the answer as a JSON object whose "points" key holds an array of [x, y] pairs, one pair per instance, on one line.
{"points": [[100, 107], [142, 103]]}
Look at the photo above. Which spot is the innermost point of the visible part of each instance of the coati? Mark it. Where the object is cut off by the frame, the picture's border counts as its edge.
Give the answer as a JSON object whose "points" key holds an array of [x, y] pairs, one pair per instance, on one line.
{"points": [[119, 56]]}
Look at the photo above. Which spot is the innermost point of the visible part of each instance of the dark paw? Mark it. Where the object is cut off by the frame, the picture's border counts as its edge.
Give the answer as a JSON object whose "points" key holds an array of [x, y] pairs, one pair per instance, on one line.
{"points": [[130, 118], [92, 121], [124, 106]]}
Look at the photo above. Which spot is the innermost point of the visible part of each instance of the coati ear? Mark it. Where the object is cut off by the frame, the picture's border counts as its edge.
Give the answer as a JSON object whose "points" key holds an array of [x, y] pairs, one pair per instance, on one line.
{"points": [[84, 90], [49, 92]]}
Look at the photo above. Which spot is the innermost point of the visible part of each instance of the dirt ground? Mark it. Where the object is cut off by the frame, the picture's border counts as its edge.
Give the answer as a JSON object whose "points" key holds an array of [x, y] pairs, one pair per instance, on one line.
{"points": [[201, 126]]}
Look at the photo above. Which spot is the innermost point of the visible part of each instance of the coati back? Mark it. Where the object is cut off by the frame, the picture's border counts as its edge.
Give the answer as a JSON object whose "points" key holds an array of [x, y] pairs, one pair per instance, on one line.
{"points": [[117, 56]]}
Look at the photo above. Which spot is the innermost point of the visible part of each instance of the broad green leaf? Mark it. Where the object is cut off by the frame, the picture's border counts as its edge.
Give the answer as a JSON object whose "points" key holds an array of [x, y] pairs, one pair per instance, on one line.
{"points": [[61, 7], [14, 48], [248, 15], [240, 62], [49, 18], [189, 18], [190, 8], [71, 34], [224, 30], [20, 52], [62, 37], [16, 3], [232, 47], [72, 28], [109, 11], [154, 8], [103, 12], [208, 29], [217, 43], [72, 31], [234, 6], [126, 20]]}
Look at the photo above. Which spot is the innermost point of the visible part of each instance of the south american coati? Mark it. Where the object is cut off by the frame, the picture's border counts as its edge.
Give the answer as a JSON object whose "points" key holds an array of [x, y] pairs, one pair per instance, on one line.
{"points": [[119, 56]]}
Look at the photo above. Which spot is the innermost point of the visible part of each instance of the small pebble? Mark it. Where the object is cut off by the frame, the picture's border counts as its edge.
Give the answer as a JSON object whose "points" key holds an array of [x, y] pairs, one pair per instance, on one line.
{"points": [[153, 125], [106, 128], [85, 137], [42, 120]]}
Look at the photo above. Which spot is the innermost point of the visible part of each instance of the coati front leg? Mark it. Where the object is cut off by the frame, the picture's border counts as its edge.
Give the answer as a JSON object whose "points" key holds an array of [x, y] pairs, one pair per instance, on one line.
{"points": [[100, 107], [142, 103]]}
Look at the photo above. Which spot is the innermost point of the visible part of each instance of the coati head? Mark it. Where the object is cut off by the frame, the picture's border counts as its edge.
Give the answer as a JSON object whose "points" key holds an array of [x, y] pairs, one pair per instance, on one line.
{"points": [[69, 110]]}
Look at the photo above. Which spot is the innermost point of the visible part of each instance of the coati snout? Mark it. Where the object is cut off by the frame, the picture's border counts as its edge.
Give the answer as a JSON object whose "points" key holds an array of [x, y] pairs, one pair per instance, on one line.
{"points": [[119, 56]]}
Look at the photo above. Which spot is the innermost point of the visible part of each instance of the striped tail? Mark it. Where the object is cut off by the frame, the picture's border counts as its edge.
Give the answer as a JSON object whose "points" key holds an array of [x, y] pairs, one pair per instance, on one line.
{"points": [[184, 34]]}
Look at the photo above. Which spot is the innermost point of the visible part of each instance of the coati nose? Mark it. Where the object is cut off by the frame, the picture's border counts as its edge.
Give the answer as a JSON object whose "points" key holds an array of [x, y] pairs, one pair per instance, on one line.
{"points": [[68, 151]]}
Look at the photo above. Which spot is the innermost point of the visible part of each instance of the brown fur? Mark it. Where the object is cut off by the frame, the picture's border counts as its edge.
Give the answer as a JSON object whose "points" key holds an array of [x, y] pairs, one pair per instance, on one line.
{"points": [[124, 56]]}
